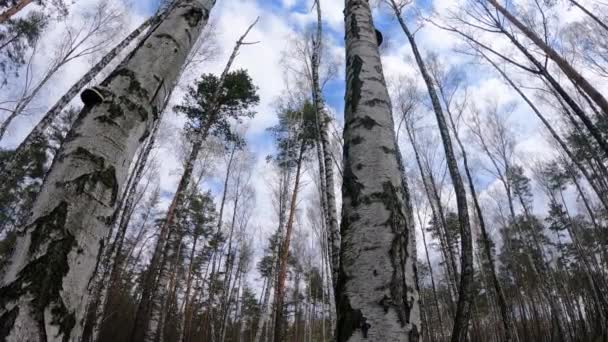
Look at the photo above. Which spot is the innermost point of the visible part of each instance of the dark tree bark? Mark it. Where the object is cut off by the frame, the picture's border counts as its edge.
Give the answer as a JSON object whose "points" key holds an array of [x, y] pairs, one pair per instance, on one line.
{"points": [[465, 293]]}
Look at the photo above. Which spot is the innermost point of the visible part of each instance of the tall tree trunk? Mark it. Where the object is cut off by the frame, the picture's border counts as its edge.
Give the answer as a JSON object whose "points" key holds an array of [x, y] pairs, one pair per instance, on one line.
{"points": [[44, 288], [563, 64], [173, 222], [465, 292], [322, 121], [377, 290], [508, 326], [228, 266], [52, 114], [433, 287], [214, 262], [265, 308], [438, 218], [185, 324], [280, 287]]}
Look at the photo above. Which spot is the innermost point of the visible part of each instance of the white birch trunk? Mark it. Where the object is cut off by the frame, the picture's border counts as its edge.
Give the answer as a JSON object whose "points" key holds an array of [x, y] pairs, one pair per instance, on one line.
{"points": [[43, 125], [377, 290], [328, 170], [44, 290]]}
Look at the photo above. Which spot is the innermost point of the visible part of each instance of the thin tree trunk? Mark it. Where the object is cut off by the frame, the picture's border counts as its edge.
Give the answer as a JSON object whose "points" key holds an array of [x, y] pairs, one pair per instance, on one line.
{"points": [[45, 285], [282, 274], [568, 70], [433, 287], [377, 291], [508, 326], [591, 15], [8, 13], [265, 308], [185, 321], [173, 221], [322, 119], [465, 293], [438, 218]]}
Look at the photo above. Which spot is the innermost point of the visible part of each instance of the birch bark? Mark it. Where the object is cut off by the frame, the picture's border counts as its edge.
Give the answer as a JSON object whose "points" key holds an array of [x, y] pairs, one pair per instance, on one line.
{"points": [[44, 289], [377, 290], [54, 112], [322, 119], [465, 293]]}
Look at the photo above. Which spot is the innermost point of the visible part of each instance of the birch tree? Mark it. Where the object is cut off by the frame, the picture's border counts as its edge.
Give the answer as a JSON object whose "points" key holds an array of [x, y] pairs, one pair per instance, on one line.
{"points": [[91, 38], [377, 291], [327, 169], [465, 295], [45, 284]]}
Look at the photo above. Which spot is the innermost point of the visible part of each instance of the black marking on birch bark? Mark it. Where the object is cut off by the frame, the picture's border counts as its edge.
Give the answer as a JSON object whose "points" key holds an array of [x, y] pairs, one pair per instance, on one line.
{"points": [[189, 36], [388, 150], [195, 15], [7, 320], [357, 140], [352, 187], [134, 87], [115, 110], [84, 154], [397, 221], [107, 120], [72, 135], [87, 182], [42, 277], [367, 122], [53, 222], [375, 102], [169, 37], [414, 334], [357, 83], [354, 26], [350, 319], [386, 302], [134, 108]]}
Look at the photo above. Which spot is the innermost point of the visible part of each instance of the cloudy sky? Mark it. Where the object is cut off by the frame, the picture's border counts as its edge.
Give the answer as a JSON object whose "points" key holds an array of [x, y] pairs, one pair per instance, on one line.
{"points": [[280, 21]]}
